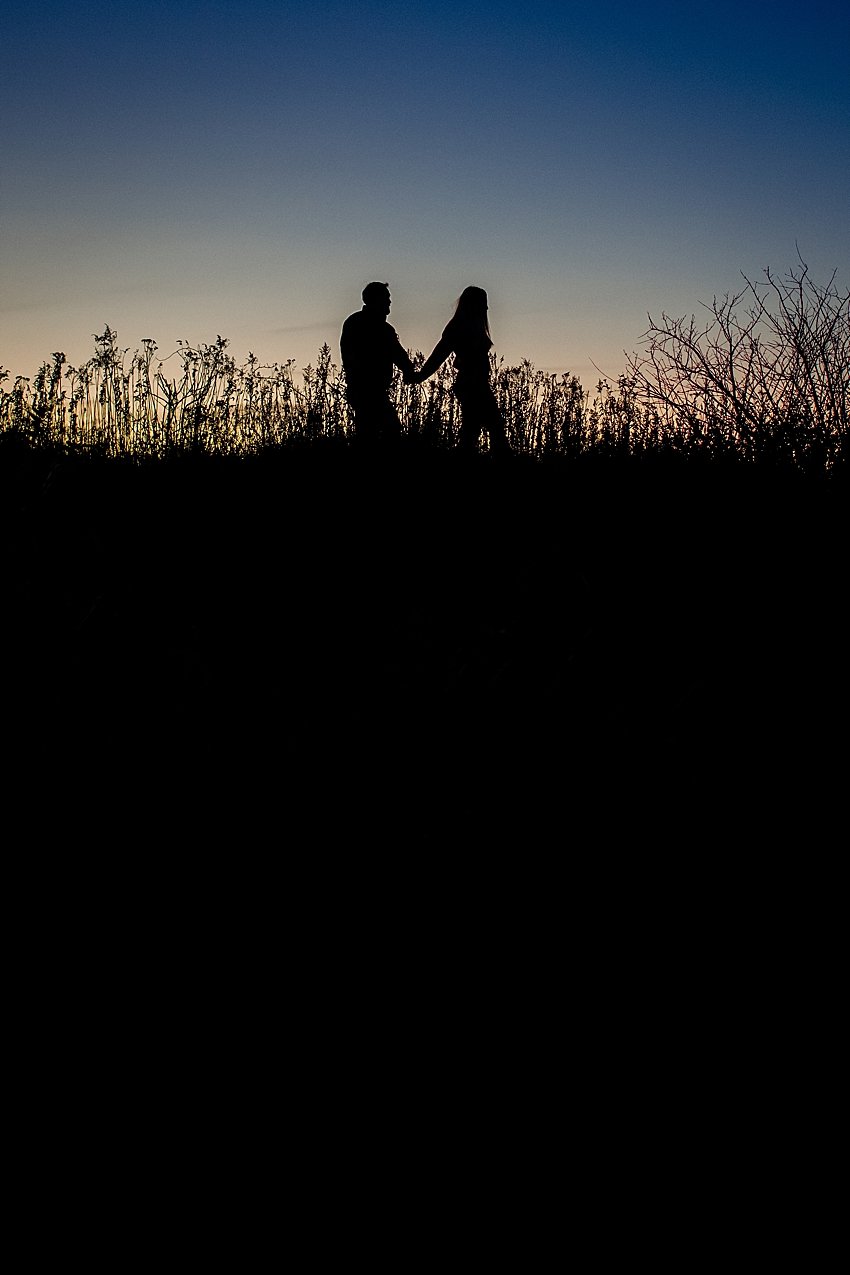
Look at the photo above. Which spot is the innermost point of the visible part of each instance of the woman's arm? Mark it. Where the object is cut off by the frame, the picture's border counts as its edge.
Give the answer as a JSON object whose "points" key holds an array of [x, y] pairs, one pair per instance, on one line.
{"points": [[435, 359]]}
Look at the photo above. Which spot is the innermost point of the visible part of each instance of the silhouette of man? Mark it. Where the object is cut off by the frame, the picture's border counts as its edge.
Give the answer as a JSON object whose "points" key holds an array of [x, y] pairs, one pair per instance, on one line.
{"points": [[370, 348]]}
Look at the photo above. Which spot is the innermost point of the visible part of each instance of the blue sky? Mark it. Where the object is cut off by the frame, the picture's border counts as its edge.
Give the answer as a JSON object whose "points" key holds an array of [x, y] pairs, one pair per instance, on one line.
{"points": [[182, 170]]}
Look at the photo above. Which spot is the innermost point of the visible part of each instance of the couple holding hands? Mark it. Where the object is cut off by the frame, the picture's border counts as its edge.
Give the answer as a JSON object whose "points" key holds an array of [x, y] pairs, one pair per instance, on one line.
{"points": [[370, 348]]}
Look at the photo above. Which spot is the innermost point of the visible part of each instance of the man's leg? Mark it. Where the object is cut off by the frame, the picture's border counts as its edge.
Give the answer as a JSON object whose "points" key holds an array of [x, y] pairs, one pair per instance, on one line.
{"points": [[365, 422], [390, 425], [376, 421]]}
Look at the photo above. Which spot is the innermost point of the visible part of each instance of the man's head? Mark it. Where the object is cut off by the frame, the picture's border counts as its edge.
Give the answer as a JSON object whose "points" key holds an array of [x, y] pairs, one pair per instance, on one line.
{"points": [[376, 297]]}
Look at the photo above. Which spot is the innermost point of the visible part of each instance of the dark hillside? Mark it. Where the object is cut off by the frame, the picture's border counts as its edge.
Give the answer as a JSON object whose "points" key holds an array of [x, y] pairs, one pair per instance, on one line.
{"points": [[312, 648]]}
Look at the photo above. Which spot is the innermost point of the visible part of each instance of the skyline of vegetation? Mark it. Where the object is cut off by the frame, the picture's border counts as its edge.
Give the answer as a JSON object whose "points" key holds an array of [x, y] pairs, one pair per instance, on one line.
{"points": [[765, 377]]}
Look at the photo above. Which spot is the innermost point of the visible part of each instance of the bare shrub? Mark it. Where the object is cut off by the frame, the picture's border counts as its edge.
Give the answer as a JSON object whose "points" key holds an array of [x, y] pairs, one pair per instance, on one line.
{"points": [[764, 378]]}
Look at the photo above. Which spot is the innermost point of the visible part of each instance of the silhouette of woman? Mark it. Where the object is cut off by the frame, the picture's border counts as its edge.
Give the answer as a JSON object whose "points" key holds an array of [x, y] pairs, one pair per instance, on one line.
{"points": [[467, 337]]}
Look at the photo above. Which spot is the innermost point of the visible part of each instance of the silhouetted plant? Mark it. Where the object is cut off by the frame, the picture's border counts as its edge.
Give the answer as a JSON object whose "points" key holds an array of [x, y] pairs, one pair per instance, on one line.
{"points": [[765, 378]]}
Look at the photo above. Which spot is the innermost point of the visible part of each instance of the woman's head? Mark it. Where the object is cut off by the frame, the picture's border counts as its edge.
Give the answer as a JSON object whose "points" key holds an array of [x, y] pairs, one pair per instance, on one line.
{"points": [[471, 309]]}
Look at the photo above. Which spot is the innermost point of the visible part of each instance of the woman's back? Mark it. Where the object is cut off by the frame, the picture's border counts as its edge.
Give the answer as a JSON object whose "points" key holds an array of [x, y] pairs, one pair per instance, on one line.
{"points": [[471, 348]]}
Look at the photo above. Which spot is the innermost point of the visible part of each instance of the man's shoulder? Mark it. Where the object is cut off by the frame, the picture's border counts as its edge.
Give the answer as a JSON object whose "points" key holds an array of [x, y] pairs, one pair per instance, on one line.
{"points": [[378, 327]]}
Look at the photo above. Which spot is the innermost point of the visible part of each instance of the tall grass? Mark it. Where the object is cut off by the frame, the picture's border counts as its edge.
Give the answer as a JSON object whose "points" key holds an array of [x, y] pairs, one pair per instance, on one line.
{"points": [[136, 405], [766, 379], [133, 404]]}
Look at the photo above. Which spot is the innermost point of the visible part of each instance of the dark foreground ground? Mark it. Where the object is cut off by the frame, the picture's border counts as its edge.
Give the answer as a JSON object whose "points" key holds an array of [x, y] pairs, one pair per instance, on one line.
{"points": [[484, 820], [320, 650]]}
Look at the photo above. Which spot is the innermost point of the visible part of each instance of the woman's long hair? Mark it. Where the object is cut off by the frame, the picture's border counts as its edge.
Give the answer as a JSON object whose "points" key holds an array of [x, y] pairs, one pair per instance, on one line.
{"points": [[470, 316]]}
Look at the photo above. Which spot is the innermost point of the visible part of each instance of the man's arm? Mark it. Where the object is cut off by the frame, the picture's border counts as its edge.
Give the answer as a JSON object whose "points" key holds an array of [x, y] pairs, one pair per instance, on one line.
{"points": [[402, 361]]}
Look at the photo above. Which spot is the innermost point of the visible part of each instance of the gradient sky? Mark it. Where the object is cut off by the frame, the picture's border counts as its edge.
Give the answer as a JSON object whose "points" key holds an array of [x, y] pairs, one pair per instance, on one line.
{"points": [[183, 169]]}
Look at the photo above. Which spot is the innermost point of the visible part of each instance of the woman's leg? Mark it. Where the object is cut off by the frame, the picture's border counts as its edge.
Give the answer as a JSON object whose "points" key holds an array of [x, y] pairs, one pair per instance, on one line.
{"points": [[491, 420], [495, 426], [480, 410], [470, 421]]}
